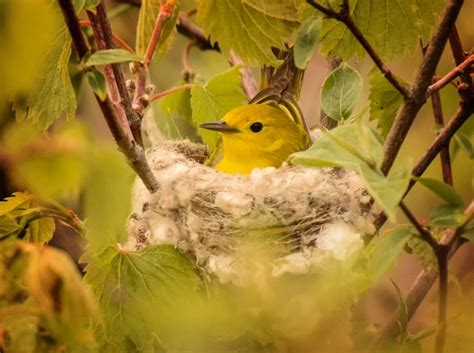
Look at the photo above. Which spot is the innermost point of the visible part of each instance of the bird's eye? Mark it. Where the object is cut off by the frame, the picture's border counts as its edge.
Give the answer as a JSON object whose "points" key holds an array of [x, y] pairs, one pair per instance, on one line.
{"points": [[256, 127]]}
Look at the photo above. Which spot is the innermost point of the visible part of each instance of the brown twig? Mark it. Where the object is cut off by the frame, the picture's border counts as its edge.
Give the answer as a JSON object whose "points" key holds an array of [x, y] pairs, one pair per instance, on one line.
{"points": [[122, 134], [114, 73], [409, 110], [171, 90], [344, 16], [451, 75]]}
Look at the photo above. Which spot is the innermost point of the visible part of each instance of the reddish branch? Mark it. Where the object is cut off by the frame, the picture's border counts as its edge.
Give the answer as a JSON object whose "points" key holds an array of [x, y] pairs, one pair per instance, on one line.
{"points": [[461, 69], [119, 41], [344, 16], [121, 133]]}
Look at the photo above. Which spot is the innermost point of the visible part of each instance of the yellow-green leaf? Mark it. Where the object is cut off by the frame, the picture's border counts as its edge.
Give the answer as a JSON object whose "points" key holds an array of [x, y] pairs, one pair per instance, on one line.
{"points": [[212, 101], [112, 56], [251, 28]]}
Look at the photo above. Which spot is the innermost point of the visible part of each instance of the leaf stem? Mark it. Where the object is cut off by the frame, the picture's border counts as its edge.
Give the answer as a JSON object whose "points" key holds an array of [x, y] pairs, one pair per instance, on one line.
{"points": [[171, 90], [344, 16], [166, 11], [122, 135]]}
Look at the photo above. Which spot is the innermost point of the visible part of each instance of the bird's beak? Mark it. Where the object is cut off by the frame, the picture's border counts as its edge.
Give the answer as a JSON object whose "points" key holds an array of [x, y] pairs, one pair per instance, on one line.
{"points": [[220, 126]]}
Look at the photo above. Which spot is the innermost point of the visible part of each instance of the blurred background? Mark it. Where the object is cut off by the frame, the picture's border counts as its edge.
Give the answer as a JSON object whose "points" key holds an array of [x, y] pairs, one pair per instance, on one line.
{"points": [[60, 163]]}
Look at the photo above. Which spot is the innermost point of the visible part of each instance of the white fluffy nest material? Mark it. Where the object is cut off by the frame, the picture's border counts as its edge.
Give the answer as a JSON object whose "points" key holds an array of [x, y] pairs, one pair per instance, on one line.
{"points": [[299, 216]]}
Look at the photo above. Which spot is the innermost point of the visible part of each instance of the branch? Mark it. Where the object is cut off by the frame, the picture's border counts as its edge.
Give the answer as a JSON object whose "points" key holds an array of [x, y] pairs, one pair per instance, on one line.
{"points": [[424, 233], [441, 140], [451, 75], [408, 112], [345, 17], [122, 135], [119, 41], [418, 291], [113, 73]]}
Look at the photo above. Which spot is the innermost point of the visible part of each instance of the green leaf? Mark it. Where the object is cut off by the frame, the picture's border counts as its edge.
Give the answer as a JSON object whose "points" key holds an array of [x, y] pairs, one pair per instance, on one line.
{"points": [[397, 30], [250, 28], [107, 198], [52, 93], [402, 313], [444, 191], [340, 92], [149, 11], [12, 202], [174, 116], [469, 234], [462, 141], [212, 101], [91, 4], [129, 283], [357, 147], [97, 83], [112, 56], [387, 251], [306, 41], [447, 216], [61, 151], [40, 231], [384, 101]]}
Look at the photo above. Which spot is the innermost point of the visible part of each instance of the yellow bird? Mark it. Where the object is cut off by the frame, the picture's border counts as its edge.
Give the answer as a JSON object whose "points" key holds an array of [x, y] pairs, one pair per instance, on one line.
{"points": [[259, 135]]}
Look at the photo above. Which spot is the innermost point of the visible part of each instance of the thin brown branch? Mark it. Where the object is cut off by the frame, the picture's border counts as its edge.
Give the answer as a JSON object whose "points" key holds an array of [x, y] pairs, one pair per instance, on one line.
{"points": [[456, 46], [345, 17], [114, 73], [122, 136], [461, 69], [424, 233], [171, 90], [442, 257], [409, 110]]}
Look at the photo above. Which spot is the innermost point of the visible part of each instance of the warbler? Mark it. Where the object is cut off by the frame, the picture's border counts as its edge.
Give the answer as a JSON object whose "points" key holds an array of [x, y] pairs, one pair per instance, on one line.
{"points": [[258, 135]]}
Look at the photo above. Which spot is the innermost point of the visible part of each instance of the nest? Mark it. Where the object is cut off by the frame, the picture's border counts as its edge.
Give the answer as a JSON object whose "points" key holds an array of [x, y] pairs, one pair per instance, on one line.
{"points": [[291, 217]]}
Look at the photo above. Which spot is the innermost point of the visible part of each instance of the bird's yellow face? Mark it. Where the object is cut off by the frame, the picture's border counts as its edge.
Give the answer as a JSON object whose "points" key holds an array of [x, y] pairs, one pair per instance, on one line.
{"points": [[257, 136]]}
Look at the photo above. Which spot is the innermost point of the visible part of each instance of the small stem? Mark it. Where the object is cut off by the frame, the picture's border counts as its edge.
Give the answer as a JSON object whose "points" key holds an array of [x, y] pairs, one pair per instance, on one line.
{"points": [[186, 53], [166, 11], [171, 90], [345, 17], [461, 69], [119, 41], [424, 233]]}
